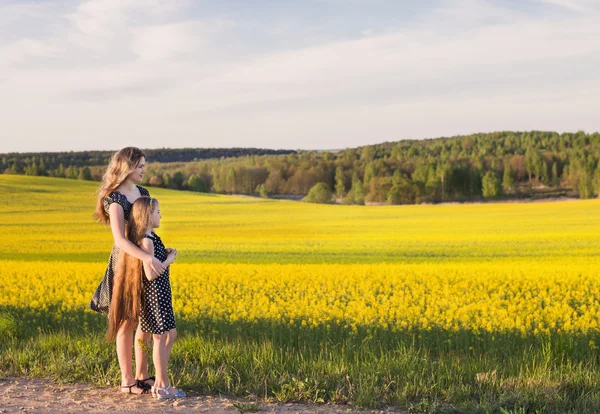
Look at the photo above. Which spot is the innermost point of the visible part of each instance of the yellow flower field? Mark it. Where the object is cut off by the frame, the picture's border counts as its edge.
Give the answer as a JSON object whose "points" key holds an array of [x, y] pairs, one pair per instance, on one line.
{"points": [[528, 268], [479, 307]]}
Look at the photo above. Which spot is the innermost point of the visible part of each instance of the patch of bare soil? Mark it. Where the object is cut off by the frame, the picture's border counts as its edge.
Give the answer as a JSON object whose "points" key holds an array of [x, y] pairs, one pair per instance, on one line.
{"points": [[23, 395]]}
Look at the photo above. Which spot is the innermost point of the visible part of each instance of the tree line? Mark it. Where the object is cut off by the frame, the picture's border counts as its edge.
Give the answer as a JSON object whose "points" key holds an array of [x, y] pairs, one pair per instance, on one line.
{"points": [[462, 168], [57, 164]]}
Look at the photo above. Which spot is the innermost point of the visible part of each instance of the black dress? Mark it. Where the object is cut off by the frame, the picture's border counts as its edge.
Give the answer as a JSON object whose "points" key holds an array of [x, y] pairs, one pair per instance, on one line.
{"points": [[157, 308], [101, 300]]}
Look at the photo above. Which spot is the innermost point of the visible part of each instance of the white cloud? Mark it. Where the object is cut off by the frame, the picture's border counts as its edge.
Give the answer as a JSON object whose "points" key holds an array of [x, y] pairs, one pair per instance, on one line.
{"points": [[568, 4], [147, 70], [23, 49]]}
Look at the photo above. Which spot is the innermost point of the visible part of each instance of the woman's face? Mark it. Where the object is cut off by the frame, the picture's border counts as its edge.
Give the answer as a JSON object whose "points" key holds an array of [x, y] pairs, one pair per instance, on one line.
{"points": [[155, 216], [137, 175]]}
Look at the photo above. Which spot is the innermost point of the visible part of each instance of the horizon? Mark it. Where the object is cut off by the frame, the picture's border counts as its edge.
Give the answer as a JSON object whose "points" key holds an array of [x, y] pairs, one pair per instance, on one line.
{"points": [[320, 74], [301, 149]]}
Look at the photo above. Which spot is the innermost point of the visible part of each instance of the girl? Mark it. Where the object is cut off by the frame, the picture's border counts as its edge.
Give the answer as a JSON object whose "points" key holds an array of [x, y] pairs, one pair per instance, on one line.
{"points": [[147, 294], [116, 195]]}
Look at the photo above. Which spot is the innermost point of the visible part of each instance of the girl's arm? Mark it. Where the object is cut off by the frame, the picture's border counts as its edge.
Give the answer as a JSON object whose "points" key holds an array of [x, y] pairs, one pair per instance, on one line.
{"points": [[117, 226], [148, 246]]}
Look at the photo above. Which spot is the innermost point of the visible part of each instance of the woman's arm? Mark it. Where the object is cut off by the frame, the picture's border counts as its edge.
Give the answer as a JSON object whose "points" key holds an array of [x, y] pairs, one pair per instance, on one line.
{"points": [[148, 246], [117, 226]]}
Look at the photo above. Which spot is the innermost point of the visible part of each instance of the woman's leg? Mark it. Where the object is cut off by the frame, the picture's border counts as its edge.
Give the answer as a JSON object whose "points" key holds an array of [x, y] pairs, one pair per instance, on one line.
{"points": [[141, 355], [124, 355]]}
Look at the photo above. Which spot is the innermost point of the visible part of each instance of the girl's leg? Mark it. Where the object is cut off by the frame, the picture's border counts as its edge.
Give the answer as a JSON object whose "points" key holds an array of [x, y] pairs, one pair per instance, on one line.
{"points": [[124, 355], [141, 356], [163, 344], [160, 357], [171, 336]]}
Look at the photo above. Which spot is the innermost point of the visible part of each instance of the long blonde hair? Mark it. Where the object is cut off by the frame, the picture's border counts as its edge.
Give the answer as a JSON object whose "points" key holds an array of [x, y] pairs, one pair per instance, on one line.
{"points": [[122, 163], [126, 299]]}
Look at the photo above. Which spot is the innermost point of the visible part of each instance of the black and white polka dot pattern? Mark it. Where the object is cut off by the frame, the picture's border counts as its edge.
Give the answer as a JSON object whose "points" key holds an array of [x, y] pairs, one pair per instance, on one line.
{"points": [[157, 315], [101, 300]]}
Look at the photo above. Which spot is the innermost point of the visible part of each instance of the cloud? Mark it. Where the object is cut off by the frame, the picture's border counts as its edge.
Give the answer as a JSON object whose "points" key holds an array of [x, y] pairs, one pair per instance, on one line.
{"points": [[110, 69], [568, 4]]}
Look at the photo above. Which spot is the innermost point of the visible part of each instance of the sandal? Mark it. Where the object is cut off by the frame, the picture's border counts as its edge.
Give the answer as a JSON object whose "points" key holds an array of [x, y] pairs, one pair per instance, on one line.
{"points": [[156, 392], [143, 386], [142, 383], [135, 384]]}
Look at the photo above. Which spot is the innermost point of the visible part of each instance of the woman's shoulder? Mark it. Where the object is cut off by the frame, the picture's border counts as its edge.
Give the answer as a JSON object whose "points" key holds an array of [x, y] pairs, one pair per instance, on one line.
{"points": [[143, 191], [114, 197]]}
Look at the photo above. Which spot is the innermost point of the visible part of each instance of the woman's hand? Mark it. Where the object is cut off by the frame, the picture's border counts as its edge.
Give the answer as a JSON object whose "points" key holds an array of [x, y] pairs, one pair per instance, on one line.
{"points": [[172, 254], [157, 266]]}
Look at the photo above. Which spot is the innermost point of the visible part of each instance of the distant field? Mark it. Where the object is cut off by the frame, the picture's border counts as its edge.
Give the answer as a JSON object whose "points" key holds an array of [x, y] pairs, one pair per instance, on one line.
{"points": [[437, 307]]}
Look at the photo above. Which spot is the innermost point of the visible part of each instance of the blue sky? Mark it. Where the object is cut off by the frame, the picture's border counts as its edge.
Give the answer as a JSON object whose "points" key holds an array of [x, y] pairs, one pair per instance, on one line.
{"points": [[313, 74]]}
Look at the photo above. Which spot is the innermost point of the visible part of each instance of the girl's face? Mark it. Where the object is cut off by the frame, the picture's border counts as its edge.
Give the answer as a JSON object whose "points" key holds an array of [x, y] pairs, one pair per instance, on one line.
{"points": [[155, 216], [137, 175]]}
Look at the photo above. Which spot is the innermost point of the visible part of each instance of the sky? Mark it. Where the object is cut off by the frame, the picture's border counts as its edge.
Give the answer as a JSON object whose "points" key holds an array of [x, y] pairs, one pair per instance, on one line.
{"points": [[288, 74]]}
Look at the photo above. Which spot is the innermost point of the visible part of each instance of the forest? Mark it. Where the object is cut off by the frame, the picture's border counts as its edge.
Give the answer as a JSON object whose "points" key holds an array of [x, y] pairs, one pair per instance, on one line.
{"points": [[483, 166]]}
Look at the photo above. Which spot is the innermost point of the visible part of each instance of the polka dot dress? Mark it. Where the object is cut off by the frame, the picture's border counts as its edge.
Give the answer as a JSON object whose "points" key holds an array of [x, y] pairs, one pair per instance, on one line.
{"points": [[157, 310], [101, 300]]}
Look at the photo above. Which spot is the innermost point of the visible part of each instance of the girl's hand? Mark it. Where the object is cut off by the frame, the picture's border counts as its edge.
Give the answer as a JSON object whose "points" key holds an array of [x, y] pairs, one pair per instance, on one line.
{"points": [[172, 254], [157, 266]]}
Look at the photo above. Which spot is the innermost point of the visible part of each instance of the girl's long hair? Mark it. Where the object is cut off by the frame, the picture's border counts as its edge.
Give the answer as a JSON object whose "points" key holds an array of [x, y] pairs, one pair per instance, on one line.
{"points": [[126, 299], [122, 163]]}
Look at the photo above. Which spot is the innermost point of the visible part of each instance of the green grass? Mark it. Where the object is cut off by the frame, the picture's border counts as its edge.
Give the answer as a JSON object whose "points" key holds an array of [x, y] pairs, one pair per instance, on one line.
{"points": [[435, 371]]}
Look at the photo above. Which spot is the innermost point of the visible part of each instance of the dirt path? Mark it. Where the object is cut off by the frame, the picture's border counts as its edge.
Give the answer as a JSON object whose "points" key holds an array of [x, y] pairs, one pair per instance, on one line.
{"points": [[22, 395]]}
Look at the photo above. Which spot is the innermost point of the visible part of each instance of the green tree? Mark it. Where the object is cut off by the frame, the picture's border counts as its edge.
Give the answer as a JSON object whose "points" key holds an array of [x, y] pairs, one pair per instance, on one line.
{"points": [[156, 181], [394, 196], [166, 178], [370, 173], [85, 174], [585, 185], [444, 171], [340, 186], [530, 162], [42, 167], [544, 173], [195, 183], [72, 172], [490, 185], [230, 180], [61, 171], [596, 181], [356, 195], [261, 190], [320, 193], [32, 169], [555, 178], [177, 180], [508, 179], [403, 191]]}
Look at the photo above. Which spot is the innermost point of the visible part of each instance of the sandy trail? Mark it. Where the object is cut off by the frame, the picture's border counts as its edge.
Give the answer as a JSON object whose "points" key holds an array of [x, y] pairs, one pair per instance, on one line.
{"points": [[23, 395]]}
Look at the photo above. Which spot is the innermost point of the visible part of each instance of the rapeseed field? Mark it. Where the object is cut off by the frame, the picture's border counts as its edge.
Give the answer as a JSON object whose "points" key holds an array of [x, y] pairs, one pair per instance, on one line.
{"points": [[474, 307]]}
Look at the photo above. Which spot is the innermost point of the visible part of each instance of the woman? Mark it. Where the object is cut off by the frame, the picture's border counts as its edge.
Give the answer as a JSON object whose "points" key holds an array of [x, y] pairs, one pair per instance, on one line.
{"points": [[116, 196]]}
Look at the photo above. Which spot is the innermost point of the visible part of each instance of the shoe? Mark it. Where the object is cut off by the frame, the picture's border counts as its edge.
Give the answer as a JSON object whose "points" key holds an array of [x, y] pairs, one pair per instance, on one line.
{"points": [[135, 384], [156, 392], [143, 384]]}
